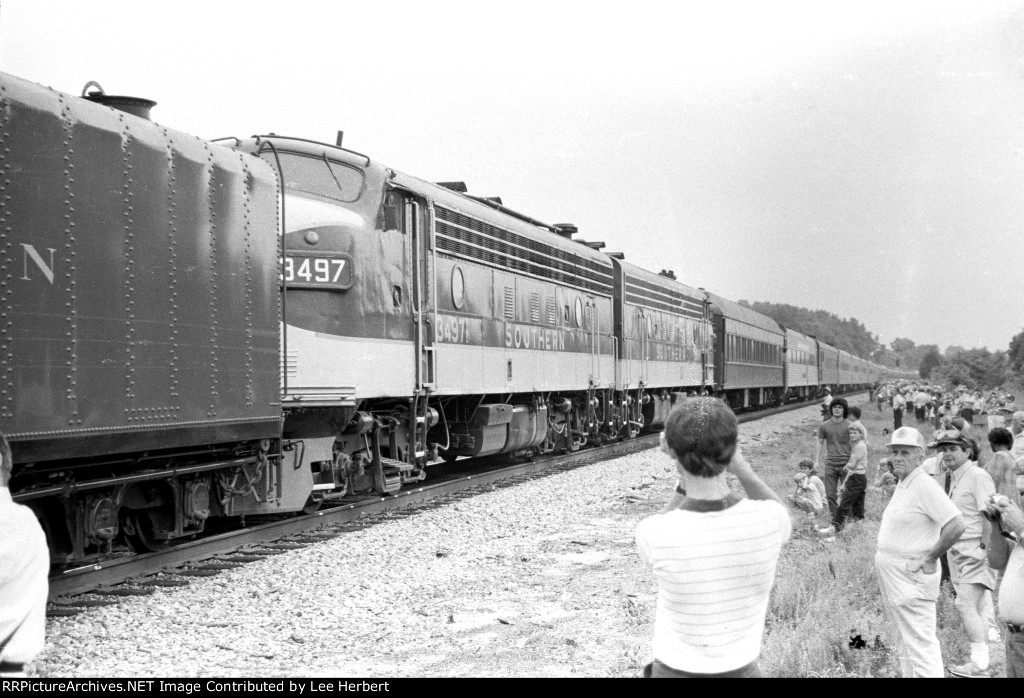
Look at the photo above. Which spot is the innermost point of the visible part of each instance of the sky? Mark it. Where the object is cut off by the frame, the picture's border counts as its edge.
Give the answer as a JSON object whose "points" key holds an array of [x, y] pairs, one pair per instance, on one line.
{"points": [[865, 158]]}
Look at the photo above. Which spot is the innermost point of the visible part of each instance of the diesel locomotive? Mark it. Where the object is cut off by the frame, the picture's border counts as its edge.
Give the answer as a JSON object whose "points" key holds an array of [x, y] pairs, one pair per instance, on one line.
{"points": [[198, 329]]}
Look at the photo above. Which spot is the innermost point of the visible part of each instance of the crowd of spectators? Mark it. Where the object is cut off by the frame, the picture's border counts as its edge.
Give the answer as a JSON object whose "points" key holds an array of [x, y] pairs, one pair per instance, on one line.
{"points": [[949, 514]]}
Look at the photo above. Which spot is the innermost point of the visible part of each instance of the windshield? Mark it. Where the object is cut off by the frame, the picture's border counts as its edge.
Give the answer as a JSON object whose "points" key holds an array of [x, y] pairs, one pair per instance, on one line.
{"points": [[314, 175]]}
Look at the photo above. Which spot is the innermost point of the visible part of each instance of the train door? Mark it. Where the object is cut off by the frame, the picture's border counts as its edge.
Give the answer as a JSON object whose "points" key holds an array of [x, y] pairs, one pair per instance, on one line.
{"points": [[643, 329], [419, 223], [593, 329], [705, 340]]}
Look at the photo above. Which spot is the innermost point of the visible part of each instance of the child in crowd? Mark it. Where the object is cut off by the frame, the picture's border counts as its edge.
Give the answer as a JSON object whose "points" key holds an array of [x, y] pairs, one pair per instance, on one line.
{"points": [[806, 496], [809, 487], [887, 479]]}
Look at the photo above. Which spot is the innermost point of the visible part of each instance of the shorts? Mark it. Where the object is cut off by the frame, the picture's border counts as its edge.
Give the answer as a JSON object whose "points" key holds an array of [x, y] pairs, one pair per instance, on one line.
{"points": [[968, 565]]}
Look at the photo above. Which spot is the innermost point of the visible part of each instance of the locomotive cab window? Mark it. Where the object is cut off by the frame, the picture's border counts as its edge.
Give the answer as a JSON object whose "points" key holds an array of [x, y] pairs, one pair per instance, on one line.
{"points": [[320, 177]]}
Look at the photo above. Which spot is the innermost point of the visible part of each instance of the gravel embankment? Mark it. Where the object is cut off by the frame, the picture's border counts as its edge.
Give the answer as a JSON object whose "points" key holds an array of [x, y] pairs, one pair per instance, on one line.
{"points": [[541, 579]]}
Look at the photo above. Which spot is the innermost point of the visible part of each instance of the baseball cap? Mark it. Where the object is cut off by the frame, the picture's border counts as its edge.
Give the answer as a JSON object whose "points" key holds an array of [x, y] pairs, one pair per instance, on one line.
{"points": [[908, 436], [949, 436]]}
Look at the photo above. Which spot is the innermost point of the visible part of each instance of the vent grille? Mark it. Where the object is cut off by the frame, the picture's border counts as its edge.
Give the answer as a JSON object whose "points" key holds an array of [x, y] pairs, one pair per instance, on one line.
{"points": [[648, 295], [534, 307], [463, 236], [510, 303], [552, 311]]}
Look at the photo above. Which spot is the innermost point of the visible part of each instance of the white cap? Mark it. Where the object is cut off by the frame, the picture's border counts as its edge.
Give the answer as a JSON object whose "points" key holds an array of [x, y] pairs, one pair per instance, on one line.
{"points": [[907, 436]]}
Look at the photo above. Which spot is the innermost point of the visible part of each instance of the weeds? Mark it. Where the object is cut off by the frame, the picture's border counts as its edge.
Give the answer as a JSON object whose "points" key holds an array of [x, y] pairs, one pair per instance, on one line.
{"points": [[827, 592]]}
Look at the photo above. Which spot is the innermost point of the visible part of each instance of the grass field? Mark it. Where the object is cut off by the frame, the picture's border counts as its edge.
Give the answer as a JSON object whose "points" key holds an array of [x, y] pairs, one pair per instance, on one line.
{"points": [[827, 591]]}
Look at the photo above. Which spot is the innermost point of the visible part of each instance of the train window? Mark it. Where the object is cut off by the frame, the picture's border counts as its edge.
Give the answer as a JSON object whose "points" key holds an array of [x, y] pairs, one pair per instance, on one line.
{"points": [[579, 312], [458, 288], [319, 176]]}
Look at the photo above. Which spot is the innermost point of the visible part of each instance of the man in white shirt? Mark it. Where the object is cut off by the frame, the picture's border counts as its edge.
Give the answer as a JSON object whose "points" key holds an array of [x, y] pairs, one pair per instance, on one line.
{"points": [[899, 403], [970, 490], [918, 526], [24, 567]]}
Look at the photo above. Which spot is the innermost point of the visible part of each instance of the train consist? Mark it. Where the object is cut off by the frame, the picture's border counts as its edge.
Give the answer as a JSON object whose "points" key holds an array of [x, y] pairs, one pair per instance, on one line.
{"points": [[199, 329]]}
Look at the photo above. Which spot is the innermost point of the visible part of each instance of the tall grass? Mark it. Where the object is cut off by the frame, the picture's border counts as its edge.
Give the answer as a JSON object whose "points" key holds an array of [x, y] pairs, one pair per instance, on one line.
{"points": [[826, 592]]}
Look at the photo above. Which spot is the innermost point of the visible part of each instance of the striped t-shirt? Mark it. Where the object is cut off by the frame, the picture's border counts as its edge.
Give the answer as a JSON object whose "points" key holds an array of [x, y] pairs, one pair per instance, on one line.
{"points": [[714, 571]]}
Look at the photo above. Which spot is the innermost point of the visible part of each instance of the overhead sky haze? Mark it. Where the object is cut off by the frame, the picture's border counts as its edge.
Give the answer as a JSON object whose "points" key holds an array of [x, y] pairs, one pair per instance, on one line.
{"points": [[863, 158]]}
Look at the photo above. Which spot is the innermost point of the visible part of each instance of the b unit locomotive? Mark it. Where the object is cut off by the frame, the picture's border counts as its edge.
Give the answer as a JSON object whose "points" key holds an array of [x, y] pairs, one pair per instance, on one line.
{"points": [[196, 329]]}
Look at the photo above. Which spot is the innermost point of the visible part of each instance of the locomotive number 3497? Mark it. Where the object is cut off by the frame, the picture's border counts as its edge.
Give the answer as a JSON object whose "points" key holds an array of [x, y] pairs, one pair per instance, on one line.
{"points": [[327, 271]]}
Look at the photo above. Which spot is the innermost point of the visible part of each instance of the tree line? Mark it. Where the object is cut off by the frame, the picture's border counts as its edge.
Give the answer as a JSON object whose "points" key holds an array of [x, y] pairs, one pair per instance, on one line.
{"points": [[975, 368]]}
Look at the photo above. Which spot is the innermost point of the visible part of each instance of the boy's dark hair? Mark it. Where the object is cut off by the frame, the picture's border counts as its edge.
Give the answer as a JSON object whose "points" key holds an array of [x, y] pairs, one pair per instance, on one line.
{"points": [[840, 401], [855, 411], [806, 463], [1000, 436], [702, 434]]}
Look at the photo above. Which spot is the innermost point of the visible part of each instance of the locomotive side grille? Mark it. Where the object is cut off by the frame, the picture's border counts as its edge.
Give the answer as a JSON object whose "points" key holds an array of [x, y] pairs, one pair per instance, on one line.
{"points": [[510, 303], [651, 295], [534, 307], [467, 237], [552, 311]]}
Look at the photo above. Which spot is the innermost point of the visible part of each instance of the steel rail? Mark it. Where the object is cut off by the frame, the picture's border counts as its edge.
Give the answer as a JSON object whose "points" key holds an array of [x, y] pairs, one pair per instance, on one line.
{"points": [[107, 573]]}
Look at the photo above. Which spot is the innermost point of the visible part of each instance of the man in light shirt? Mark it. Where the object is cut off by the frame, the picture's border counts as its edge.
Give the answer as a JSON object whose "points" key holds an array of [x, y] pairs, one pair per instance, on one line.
{"points": [[970, 489], [24, 567], [720, 548], [918, 526]]}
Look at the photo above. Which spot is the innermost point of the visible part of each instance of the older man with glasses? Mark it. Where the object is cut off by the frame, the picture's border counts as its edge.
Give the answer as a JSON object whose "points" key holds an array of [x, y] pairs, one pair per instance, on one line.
{"points": [[918, 526], [970, 489]]}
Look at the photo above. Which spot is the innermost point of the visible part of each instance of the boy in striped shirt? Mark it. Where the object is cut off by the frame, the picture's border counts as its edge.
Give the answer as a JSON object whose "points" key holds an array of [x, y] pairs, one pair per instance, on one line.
{"points": [[712, 552]]}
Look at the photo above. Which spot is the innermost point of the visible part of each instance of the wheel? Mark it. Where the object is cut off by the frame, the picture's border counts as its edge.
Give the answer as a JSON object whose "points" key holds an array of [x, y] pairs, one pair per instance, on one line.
{"points": [[137, 527]]}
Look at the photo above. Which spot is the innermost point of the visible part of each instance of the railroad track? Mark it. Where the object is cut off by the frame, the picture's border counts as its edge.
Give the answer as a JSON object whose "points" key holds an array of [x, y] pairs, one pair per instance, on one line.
{"points": [[104, 583]]}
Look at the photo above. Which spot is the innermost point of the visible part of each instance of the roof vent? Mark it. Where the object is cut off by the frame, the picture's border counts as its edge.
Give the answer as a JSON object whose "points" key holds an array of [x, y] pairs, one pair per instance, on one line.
{"points": [[616, 255], [595, 245], [567, 230], [495, 199], [454, 186], [136, 106]]}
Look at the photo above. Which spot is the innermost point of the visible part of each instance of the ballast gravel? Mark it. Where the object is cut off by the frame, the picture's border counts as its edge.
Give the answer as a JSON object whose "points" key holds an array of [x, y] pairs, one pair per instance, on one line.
{"points": [[539, 579]]}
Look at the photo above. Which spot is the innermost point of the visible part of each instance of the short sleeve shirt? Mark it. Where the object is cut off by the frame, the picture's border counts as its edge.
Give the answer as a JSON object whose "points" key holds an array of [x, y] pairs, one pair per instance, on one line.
{"points": [[912, 521], [970, 487], [818, 485], [837, 441], [858, 464]]}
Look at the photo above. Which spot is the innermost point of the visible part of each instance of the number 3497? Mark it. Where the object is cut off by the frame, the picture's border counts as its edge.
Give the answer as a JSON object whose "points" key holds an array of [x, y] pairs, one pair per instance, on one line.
{"points": [[318, 272]]}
